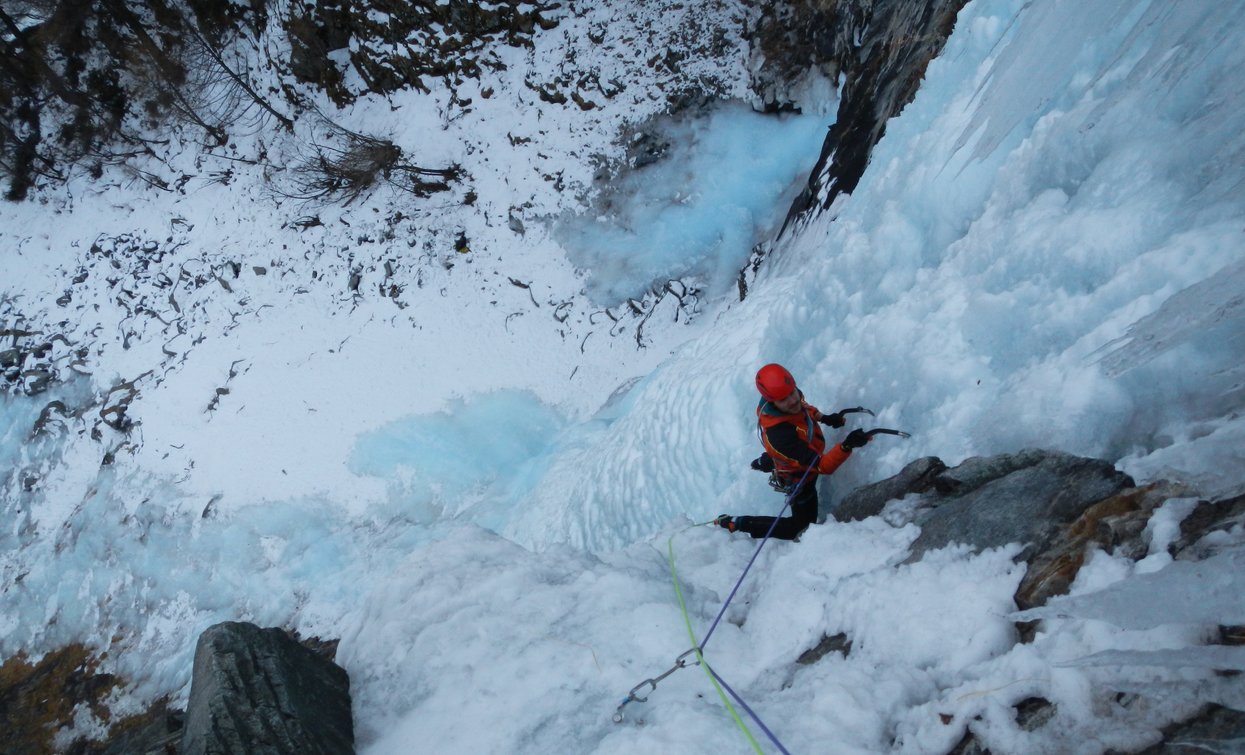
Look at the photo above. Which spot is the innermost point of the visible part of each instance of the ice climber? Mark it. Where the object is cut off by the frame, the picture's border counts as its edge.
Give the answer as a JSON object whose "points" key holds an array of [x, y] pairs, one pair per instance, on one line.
{"points": [[794, 443]]}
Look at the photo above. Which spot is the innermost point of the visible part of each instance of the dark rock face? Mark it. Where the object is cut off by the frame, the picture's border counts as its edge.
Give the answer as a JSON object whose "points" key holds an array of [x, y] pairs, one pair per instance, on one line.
{"points": [[1056, 504], [38, 699], [1208, 517], [258, 691], [797, 35], [918, 477], [439, 39], [839, 643], [1033, 493], [987, 502], [1115, 523], [897, 40]]}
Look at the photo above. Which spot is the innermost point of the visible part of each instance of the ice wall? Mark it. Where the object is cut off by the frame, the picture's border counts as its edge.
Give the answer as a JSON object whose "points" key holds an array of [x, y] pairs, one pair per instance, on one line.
{"points": [[1066, 185]]}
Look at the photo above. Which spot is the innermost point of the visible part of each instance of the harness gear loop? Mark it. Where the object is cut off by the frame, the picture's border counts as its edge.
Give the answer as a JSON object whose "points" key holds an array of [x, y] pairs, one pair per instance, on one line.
{"points": [[777, 483]]}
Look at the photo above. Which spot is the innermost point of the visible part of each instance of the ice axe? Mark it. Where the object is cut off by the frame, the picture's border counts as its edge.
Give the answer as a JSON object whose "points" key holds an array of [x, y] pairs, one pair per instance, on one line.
{"points": [[857, 438], [837, 419], [886, 431], [876, 430]]}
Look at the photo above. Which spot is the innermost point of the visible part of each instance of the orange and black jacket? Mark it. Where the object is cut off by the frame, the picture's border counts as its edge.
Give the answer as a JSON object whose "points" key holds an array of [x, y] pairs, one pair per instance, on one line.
{"points": [[795, 441]]}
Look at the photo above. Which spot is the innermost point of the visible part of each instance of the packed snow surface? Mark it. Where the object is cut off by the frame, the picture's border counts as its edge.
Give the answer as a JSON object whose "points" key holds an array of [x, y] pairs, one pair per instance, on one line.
{"points": [[475, 490]]}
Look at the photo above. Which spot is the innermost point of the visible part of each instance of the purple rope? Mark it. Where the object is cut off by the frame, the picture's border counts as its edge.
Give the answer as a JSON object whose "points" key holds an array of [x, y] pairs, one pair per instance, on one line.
{"points": [[755, 717], [786, 502]]}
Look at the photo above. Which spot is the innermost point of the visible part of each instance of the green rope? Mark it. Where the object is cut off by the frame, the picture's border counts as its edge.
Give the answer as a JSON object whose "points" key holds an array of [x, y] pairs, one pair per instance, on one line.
{"points": [[678, 590]]}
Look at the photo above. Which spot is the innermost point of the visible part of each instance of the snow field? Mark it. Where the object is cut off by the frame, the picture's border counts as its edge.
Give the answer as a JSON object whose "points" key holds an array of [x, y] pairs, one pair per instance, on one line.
{"points": [[1045, 251]]}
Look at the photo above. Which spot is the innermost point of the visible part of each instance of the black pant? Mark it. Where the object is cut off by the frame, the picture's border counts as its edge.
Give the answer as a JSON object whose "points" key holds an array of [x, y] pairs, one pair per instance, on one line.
{"points": [[803, 513]]}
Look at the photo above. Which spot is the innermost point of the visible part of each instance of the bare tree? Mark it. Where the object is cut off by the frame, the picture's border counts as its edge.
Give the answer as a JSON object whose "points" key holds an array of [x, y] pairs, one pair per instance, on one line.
{"points": [[97, 80], [345, 164]]}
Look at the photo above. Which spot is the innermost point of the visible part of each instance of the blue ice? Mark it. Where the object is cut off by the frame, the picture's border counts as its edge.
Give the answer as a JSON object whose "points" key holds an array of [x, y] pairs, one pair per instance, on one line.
{"points": [[724, 184], [472, 459]]}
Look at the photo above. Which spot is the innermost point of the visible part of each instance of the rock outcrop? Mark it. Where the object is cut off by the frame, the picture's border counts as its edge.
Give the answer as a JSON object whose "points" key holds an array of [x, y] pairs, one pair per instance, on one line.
{"points": [[1114, 524], [38, 698], [987, 502], [1056, 504], [1044, 490], [918, 477], [260, 692], [883, 49], [1061, 507]]}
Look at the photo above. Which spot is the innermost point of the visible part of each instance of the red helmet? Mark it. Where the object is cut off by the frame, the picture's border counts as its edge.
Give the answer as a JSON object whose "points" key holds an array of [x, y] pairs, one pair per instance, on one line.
{"points": [[774, 382]]}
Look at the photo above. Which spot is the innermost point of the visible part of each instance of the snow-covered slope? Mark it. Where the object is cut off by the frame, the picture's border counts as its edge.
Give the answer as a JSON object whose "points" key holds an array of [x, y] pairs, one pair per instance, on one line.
{"points": [[467, 465]]}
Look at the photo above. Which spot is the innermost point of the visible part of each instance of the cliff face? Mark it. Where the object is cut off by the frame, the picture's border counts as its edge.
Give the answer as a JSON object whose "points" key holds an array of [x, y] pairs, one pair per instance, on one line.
{"points": [[173, 58], [882, 49]]}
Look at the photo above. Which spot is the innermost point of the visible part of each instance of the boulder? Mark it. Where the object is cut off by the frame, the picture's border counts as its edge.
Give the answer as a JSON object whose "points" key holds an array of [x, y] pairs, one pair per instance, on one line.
{"points": [[260, 692], [1113, 524], [156, 731], [918, 477], [1023, 498]]}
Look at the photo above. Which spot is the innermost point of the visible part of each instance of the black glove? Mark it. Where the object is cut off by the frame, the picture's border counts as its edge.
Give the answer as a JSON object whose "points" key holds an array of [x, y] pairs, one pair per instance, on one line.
{"points": [[855, 439], [833, 420], [763, 463]]}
